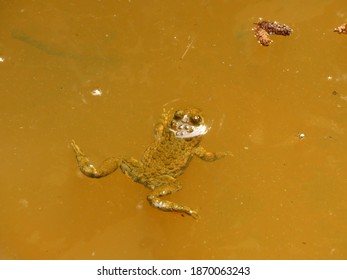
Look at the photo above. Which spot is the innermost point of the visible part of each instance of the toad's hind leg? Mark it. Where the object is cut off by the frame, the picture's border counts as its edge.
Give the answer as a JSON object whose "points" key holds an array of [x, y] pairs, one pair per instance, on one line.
{"points": [[87, 168], [167, 187]]}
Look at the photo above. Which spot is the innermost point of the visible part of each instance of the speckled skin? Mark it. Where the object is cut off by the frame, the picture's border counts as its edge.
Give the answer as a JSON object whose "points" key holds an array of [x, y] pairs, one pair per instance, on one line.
{"points": [[162, 162]]}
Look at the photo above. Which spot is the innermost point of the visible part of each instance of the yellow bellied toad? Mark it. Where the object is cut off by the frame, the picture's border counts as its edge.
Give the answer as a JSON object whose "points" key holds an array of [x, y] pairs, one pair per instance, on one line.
{"points": [[178, 136]]}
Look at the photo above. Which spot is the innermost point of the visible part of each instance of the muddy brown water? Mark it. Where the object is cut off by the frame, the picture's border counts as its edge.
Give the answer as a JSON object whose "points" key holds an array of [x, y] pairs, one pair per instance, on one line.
{"points": [[100, 72]]}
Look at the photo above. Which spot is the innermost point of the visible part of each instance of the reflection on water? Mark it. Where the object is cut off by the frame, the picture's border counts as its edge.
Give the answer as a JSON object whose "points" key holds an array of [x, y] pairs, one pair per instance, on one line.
{"points": [[280, 195]]}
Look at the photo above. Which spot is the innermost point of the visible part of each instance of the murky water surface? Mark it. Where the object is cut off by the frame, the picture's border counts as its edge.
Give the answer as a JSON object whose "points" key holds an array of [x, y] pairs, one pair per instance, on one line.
{"points": [[100, 72]]}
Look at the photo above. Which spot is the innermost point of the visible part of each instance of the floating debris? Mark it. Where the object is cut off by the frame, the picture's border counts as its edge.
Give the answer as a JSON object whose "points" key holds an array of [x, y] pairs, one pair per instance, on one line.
{"points": [[96, 92], [262, 36], [265, 28], [342, 29], [274, 27], [301, 135]]}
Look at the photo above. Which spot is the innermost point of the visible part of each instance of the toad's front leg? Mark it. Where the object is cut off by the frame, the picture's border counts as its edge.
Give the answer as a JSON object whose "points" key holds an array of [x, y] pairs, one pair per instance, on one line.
{"points": [[167, 185], [162, 123], [87, 168], [201, 153]]}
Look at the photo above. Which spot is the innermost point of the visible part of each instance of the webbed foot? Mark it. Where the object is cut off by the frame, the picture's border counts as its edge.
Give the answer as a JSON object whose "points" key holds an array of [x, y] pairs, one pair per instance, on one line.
{"points": [[87, 168], [168, 185]]}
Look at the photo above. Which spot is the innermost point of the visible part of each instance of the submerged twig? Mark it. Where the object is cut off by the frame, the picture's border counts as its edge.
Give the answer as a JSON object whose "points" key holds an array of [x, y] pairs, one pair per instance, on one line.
{"points": [[189, 46]]}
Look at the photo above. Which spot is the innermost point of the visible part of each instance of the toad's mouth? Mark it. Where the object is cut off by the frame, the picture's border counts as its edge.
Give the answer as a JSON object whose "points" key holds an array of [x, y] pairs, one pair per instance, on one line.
{"points": [[184, 130]]}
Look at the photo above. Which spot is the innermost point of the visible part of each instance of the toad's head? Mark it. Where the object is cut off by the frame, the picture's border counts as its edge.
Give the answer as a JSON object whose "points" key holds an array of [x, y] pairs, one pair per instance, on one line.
{"points": [[188, 123]]}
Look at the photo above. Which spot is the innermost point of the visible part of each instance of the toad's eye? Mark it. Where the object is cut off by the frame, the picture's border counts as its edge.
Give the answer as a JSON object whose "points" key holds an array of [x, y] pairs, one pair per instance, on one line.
{"points": [[178, 115], [196, 119]]}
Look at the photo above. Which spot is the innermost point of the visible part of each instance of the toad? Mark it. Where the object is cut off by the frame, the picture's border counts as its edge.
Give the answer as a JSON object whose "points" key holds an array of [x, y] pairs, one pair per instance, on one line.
{"points": [[177, 140]]}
